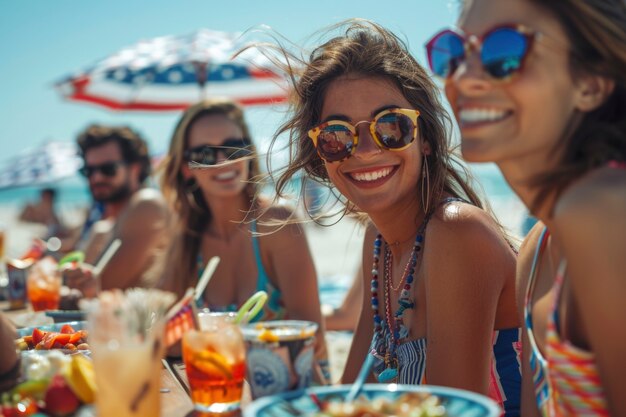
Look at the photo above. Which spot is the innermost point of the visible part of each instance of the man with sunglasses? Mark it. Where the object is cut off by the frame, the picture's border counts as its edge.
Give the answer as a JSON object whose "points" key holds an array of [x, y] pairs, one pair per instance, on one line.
{"points": [[116, 165]]}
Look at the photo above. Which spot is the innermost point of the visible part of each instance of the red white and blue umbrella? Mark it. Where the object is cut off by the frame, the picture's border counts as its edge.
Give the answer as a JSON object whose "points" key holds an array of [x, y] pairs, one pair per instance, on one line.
{"points": [[45, 164], [173, 72]]}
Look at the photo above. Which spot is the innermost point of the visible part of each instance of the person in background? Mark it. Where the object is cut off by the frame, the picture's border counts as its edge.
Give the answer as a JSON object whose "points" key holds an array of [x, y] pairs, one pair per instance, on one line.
{"points": [[210, 179], [438, 304], [9, 360], [116, 166], [43, 212], [346, 316], [539, 88]]}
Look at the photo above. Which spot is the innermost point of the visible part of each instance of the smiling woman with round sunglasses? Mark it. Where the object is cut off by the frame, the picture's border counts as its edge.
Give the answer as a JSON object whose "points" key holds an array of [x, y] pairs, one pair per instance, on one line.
{"points": [[548, 106], [439, 272], [210, 177]]}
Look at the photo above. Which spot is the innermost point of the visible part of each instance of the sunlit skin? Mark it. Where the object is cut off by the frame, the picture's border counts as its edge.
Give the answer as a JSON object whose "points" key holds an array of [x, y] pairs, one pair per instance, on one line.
{"points": [[539, 107], [103, 187], [220, 181], [354, 99], [284, 253], [386, 185], [519, 140]]}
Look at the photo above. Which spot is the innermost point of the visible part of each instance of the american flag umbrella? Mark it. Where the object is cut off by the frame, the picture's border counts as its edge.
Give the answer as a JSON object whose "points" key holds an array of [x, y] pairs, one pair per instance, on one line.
{"points": [[172, 72], [45, 164]]}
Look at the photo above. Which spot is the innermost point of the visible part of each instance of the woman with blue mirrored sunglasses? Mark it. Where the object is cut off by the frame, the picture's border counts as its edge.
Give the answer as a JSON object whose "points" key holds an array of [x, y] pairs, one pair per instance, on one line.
{"points": [[548, 106]]}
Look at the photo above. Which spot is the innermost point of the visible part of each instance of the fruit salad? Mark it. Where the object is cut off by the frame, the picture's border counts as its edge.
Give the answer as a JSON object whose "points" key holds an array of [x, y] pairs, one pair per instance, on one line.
{"points": [[67, 338]]}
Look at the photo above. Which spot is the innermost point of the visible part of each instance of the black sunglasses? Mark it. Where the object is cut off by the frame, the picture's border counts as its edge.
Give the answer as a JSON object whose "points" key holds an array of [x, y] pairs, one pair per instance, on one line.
{"points": [[108, 169], [207, 154]]}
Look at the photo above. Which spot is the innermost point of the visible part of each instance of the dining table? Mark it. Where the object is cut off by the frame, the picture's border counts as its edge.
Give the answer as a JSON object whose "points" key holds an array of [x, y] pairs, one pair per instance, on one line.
{"points": [[174, 390]]}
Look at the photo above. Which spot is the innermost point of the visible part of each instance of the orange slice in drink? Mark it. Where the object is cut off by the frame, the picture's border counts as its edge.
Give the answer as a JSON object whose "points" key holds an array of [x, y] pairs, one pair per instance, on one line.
{"points": [[212, 363]]}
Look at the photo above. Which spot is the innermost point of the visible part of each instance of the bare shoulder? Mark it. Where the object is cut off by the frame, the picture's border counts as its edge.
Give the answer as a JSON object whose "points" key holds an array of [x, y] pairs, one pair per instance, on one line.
{"points": [[147, 208], [596, 197], [465, 247], [464, 223], [147, 199]]}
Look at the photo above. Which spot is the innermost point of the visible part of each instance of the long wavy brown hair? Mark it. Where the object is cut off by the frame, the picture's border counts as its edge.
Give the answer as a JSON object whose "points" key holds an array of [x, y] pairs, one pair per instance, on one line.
{"points": [[596, 30], [365, 48], [186, 200]]}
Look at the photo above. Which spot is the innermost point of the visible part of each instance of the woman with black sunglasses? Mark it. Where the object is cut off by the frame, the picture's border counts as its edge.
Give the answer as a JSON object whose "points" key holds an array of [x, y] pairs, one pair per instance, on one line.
{"points": [[539, 88], [211, 178], [438, 305]]}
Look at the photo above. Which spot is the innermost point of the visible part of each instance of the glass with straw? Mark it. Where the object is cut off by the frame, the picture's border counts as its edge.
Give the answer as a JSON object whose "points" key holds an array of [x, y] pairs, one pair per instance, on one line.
{"points": [[126, 338]]}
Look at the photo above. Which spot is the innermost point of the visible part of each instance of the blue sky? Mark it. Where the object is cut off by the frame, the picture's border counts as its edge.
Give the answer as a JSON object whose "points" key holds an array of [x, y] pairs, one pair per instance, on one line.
{"points": [[42, 41]]}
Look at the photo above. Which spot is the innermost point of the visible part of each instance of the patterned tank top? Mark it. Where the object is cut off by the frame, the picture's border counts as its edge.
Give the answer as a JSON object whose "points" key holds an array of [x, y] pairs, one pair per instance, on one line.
{"points": [[566, 379]]}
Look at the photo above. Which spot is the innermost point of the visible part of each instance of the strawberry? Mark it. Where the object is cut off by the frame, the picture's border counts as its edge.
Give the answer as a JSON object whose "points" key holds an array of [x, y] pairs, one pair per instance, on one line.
{"points": [[60, 399]]}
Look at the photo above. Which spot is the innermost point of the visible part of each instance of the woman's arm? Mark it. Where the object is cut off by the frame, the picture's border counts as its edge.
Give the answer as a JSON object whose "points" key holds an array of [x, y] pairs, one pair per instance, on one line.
{"points": [[466, 263], [9, 359], [524, 266], [590, 226]]}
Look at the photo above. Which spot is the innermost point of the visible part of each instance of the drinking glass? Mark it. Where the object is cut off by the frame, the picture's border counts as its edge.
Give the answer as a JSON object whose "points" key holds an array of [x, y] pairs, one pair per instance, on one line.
{"points": [[43, 285], [279, 355], [215, 363], [126, 340]]}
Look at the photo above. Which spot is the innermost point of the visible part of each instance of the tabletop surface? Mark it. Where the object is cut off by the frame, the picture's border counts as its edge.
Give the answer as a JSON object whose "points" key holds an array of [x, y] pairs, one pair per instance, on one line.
{"points": [[175, 399]]}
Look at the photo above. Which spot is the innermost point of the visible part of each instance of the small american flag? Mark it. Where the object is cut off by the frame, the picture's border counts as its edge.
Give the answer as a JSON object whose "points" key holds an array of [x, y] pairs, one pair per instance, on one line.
{"points": [[180, 318]]}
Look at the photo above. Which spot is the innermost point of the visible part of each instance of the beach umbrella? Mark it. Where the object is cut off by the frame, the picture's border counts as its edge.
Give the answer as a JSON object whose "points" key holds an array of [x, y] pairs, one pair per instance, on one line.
{"points": [[43, 165], [172, 72]]}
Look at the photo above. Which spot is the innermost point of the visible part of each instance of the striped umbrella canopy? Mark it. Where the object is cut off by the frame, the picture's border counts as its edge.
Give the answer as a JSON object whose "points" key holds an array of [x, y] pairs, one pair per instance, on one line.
{"points": [[173, 72], [41, 165]]}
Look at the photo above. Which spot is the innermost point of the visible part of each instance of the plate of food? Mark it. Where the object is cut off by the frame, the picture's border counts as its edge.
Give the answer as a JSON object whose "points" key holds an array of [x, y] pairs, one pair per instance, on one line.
{"points": [[69, 337], [376, 400]]}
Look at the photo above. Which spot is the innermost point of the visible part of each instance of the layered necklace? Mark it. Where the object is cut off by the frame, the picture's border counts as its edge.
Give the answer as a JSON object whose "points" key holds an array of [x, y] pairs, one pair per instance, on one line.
{"points": [[390, 331]]}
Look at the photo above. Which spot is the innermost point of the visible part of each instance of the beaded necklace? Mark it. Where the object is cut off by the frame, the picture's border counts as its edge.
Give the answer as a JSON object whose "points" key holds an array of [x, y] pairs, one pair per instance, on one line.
{"points": [[389, 332]]}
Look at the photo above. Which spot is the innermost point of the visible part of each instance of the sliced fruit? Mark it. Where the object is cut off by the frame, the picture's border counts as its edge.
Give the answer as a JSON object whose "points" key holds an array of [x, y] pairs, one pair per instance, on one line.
{"points": [[67, 329], [38, 335], [33, 388], [212, 363], [60, 399], [81, 378], [76, 257]]}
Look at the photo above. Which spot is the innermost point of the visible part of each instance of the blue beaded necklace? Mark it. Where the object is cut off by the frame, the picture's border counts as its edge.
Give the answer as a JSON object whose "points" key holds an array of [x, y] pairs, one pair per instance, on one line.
{"points": [[389, 332]]}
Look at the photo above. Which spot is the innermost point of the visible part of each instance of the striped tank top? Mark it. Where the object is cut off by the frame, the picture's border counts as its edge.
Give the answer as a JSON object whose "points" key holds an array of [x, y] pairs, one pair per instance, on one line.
{"points": [[566, 379], [505, 379]]}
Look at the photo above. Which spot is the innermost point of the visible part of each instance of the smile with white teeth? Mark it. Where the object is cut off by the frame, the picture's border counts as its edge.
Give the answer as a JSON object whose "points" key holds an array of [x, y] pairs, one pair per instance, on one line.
{"points": [[372, 175], [224, 176], [477, 115]]}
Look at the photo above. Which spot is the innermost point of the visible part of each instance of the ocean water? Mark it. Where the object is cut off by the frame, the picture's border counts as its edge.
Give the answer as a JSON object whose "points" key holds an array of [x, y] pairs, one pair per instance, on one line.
{"points": [[336, 252]]}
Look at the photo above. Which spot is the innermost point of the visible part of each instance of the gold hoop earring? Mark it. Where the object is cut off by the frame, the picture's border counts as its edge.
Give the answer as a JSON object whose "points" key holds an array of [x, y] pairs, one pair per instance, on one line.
{"points": [[425, 185]]}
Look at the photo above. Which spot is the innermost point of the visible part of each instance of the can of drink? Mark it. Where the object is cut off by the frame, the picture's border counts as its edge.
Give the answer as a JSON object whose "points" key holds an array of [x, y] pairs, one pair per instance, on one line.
{"points": [[17, 271]]}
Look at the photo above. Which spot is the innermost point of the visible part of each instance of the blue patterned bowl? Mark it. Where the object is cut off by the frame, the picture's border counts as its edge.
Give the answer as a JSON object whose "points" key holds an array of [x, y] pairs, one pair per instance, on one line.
{"points": [[457, 403]]}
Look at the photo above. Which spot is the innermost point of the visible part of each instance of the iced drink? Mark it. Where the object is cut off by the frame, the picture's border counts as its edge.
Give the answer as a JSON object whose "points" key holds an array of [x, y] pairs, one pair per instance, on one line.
{"points": [[128, 379], [126, 339], [279, 355], [44, 285], [214, 359]]}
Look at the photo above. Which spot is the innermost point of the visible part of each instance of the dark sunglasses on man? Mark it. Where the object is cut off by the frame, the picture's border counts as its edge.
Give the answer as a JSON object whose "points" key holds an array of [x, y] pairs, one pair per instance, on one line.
{"points": [[207, 154], [108, 169]]}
